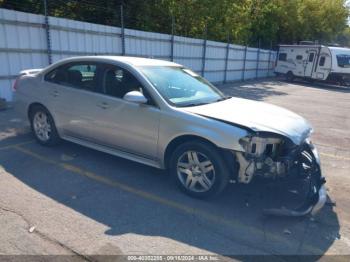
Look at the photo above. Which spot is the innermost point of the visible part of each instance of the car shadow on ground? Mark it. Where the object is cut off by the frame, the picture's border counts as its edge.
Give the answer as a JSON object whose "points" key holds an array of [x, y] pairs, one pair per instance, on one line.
{"points": [[260, 90], [144, 201], [321, 85], [252, 89]]}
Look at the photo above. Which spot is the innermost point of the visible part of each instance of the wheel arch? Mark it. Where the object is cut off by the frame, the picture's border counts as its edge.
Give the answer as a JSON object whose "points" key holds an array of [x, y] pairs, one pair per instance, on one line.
{"points": [[32, 106], [174, 143], [38, 104]]}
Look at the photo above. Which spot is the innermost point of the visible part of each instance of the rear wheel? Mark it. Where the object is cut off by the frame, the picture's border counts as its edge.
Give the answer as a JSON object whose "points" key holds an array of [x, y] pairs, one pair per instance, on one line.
{"points": [[198, 169], [43, 126]]}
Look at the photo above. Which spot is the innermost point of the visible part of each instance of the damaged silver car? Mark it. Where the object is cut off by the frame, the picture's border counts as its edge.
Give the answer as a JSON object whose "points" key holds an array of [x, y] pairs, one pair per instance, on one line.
{"points": [[162, 114]]}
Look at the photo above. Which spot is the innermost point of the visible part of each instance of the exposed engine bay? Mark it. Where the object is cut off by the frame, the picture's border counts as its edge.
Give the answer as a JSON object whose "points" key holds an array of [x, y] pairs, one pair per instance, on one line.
{"points": [[277, 158], [261, 158]]}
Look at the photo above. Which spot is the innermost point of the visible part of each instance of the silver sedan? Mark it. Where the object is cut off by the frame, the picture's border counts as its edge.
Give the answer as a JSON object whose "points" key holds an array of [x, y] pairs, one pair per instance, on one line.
{"points": [[162, 114]]}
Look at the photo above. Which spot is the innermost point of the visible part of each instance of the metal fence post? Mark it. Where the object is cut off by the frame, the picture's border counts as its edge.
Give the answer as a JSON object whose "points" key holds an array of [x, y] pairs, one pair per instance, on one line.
{"points": [[47, 30], [226, 58], [204, 51], [257, 62], [122, 28], [244, 62], [172, 38], [269, 61]]}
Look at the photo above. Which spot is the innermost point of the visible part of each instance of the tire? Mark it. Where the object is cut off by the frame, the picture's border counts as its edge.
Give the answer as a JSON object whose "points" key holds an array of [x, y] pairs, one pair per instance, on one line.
{"points": [[290, 76], [43, 126], [198, 169]]}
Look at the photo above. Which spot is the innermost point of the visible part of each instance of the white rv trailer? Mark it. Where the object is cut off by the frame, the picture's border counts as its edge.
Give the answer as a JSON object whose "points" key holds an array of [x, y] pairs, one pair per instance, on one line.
{"points": [[314, 62]]}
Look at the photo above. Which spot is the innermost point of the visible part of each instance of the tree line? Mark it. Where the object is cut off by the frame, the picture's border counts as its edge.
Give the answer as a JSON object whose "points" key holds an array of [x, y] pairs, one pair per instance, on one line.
{"points": [[248, 22]]}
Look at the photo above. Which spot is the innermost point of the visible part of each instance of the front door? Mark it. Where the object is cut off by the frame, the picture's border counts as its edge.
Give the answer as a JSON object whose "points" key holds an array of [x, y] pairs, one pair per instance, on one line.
{"points": [[126, 126]]}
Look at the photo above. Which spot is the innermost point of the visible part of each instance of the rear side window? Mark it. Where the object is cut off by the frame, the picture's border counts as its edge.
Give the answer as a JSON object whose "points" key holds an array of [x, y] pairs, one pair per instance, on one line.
{"points": [[322, 61], [299, 57], [282, 57], [78, 75]]}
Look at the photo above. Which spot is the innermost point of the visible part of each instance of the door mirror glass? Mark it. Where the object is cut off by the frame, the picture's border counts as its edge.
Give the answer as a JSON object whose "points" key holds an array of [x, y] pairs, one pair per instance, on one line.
{"points": [[135, 97]]}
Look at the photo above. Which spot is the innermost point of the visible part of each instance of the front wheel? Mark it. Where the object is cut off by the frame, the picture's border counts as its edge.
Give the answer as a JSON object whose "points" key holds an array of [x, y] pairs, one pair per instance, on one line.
{"points": [[43, 126], [198, 169]]}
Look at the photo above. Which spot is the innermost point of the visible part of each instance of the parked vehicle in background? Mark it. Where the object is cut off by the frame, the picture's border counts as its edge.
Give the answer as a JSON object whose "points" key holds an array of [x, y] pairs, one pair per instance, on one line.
{"points": [[162, 114], [314, 62]]}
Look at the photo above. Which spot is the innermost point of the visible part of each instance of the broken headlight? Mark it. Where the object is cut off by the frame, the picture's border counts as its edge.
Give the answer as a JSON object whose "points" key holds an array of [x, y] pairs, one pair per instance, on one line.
{"points": [[257, 146]]}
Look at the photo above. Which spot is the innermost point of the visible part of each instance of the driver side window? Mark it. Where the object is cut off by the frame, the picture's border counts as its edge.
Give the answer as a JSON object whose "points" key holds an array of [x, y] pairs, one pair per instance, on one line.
{"points": [[117, 81]]}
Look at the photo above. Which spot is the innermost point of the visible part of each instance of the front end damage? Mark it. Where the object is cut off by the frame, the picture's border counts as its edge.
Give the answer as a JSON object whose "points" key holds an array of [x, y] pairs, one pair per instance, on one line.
{"points": [[275, 157]]}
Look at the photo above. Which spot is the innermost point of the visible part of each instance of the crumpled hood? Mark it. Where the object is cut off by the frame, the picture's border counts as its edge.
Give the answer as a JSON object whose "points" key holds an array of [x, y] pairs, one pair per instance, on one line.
{"points": [[257, 116]]}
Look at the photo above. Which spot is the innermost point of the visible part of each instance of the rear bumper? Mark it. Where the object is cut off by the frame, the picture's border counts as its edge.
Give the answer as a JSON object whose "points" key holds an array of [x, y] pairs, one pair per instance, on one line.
{"points": [[20, 105]]}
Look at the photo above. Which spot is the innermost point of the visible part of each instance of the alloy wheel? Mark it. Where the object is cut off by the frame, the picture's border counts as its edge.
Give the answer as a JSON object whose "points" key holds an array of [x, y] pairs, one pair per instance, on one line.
{"points": [[42, 126], [195, 171]]}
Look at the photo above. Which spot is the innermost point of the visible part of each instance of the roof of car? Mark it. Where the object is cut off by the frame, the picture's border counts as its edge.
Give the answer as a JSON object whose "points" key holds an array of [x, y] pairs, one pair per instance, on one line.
{"points": [[134, 61]]}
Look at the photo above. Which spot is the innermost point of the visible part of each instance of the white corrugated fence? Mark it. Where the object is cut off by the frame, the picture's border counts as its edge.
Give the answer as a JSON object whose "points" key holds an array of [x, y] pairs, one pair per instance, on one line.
{"points": [[24, 45]]}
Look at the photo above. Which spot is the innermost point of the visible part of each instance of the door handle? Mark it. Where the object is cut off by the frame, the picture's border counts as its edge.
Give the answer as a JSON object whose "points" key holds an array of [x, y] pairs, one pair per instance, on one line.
{"points": [[103, 105]]}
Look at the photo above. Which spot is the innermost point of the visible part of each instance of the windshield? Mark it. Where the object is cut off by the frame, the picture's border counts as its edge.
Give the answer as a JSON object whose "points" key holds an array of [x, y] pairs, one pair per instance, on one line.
{"points": [[181, 86], [343, 60]]}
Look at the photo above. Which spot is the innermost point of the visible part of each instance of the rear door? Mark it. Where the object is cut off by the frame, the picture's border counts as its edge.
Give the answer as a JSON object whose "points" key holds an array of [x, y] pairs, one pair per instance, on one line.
{"points": [[73, 89]]}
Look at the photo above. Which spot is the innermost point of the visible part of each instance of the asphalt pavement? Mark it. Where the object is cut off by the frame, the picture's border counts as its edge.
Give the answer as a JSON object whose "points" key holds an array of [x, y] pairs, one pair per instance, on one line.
{"points": [[71, 200]]}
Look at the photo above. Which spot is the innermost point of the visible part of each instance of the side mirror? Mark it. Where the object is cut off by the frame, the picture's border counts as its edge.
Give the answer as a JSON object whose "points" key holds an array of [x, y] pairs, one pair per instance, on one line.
{"points": [[135, 97]]}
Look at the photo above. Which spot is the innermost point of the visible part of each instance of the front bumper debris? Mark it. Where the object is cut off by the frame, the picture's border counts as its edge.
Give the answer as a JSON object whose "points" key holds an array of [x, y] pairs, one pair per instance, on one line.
{"points": [[316, 197], [310, 206], [322, 197]]}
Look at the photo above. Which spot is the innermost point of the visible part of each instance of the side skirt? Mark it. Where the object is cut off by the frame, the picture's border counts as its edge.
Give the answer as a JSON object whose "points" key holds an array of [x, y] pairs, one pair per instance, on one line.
{"points": [[114, 151]]}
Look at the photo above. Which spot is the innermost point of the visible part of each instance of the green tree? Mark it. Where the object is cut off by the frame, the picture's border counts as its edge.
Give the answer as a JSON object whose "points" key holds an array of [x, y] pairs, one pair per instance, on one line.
{"points": [[243, 21]]}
